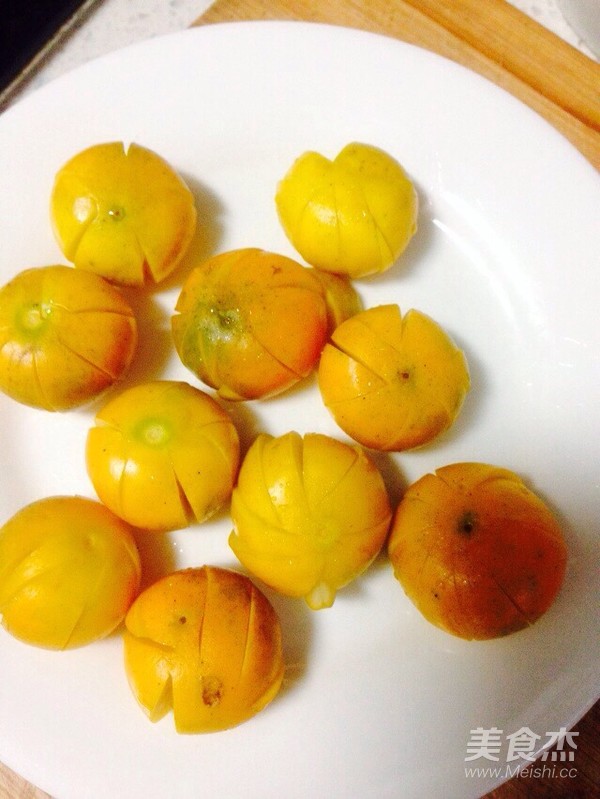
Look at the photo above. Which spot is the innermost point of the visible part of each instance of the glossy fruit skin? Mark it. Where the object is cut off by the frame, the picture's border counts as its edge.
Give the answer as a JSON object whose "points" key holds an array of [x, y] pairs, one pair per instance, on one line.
{"points": [[206, 644], [392, 382], [123, 213], [250, 323], [477, 552], [65, 336], [341, 298], [354, 215], [69, 571], [310, 514], [163, 454]]}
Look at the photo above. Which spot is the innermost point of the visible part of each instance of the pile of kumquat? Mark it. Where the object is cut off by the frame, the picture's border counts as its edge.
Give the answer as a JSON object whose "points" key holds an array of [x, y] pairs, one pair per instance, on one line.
{"points": [[476, 551]]}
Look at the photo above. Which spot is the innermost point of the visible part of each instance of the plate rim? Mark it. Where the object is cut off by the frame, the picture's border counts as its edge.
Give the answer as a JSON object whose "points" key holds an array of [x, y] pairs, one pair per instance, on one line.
{"points": [[57, 83]]}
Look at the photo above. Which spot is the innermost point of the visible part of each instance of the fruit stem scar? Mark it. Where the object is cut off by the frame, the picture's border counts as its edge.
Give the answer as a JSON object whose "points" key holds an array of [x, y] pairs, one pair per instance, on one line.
{"points": [[224, 318], [153, 432], [33, 316], [116, 213], [467, 523]]}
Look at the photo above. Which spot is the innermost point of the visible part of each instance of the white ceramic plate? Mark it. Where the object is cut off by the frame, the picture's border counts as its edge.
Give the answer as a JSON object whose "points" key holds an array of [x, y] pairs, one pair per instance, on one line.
{"points": [[377, 702]]}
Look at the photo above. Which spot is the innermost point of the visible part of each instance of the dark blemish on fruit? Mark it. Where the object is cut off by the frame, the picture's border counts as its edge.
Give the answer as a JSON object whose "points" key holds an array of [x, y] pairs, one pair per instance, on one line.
{"points": [[467, 523]]}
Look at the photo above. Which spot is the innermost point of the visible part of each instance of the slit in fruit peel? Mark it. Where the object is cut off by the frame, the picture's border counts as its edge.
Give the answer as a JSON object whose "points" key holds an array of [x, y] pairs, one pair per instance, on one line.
{"points": [[29, 585], [166, 649], [338, 227], [462, 613], [91, 364], [93, 309], [108, 424], [316, 207], [30, 577], [277, 359], [340, 480], [249, 625], [316, 289], [185, 503], [276, 489], [388, 255], [445, 411], [146, 270], [368, 530], [164, 702], [297, 447], [295, 224], [127, 466], [215, 441], [367, 366], [38, 383], [89, 601], [512, 601], [72, 247], [202, 615]]}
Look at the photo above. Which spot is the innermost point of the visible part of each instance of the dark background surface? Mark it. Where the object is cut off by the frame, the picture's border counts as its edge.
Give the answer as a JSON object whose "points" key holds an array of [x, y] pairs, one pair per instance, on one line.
{"points": [[26, 27]]}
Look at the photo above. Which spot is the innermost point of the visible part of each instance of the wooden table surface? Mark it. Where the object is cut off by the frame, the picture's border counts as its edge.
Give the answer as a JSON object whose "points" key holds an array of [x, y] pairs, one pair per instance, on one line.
{"points": [[496, 40], [491, 37]]}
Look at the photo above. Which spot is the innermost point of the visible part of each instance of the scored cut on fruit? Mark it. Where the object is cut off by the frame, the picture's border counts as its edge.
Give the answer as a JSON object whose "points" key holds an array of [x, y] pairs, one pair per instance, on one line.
{"points": [[65, 337], [392, 382], [250, 323], [122, 212], [162, 455], [206, 644], [69, 571], [353, 215], [477, 551], [310, 514]]}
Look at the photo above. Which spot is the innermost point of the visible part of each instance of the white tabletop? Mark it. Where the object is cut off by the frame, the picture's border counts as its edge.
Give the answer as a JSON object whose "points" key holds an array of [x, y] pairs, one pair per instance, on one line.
{"points": [[112, 24]]}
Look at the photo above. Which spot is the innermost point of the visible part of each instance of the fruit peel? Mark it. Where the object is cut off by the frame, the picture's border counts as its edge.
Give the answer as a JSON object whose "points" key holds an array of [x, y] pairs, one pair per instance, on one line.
{"points": [[206, 644], [122, 212], [393, 382], [310, 514], [354, 215], [477, 551]]}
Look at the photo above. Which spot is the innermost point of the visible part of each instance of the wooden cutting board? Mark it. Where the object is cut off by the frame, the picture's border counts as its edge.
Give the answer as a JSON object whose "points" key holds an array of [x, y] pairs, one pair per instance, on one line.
{"points": [[491, 37], [560, 83]]}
